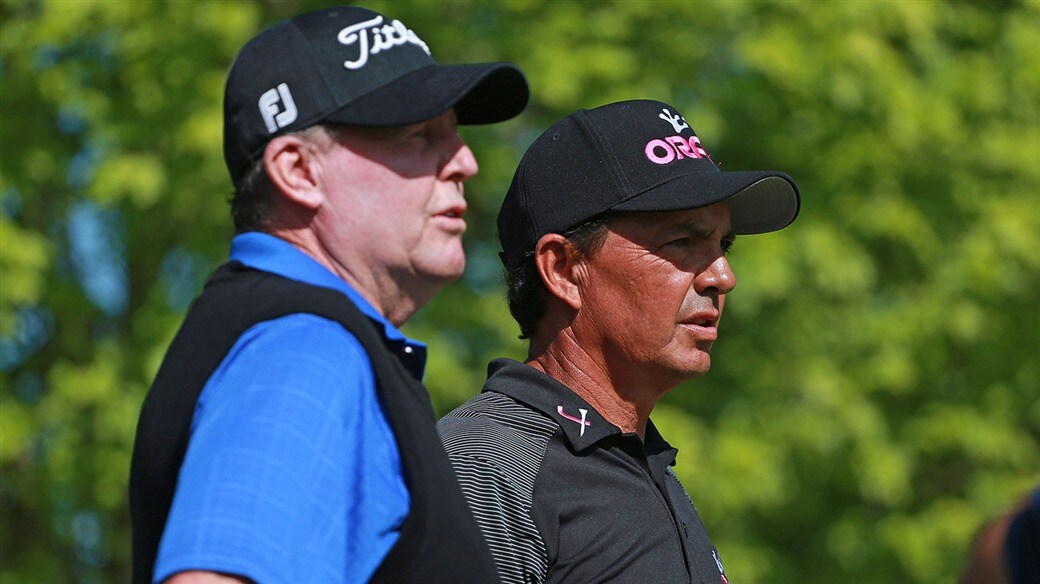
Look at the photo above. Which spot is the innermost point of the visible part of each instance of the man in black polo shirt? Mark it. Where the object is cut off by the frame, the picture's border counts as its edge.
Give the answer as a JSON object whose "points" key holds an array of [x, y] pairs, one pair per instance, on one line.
{"points": [[614, 234]]}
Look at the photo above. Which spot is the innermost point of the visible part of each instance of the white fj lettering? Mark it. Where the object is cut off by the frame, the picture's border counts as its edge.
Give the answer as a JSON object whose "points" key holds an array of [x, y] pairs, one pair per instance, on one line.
{"points": [[384, 37], [268, 103]]}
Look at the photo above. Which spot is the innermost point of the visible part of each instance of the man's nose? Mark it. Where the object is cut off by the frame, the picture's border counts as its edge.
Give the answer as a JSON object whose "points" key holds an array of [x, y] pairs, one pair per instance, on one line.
{"points": [[462, 165], [717, 277]]}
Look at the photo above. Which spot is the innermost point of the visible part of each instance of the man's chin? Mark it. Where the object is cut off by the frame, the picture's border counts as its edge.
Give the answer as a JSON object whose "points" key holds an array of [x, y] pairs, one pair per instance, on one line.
{"points": [[445, 272], [698, 367], [676, 374], [694, 373]]}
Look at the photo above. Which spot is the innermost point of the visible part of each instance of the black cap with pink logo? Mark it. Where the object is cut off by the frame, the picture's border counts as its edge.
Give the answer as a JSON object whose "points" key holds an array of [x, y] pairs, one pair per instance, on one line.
{"points": [[350, 65], [636, 155]]}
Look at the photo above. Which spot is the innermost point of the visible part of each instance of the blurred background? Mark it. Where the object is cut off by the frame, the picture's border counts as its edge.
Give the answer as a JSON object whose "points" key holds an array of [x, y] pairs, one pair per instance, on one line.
{"points": [[875, 393]]}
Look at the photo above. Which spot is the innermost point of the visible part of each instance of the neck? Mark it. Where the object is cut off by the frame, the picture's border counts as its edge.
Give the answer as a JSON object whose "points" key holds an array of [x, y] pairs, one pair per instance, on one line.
{"points": [[379, 288], [563, 358]]}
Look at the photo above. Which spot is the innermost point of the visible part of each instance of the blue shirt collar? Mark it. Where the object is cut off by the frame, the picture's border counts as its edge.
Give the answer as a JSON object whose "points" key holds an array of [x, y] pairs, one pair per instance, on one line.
{"points": [[268, 253]]}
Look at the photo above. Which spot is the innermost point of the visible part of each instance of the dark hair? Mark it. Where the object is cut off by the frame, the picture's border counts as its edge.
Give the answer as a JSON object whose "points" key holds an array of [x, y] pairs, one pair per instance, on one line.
{"points": [[253, 199], [526, 294]]}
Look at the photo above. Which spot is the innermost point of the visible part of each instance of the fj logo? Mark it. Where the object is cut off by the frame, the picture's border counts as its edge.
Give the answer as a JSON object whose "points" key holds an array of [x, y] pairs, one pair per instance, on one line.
{"points": [[275, 117], [677, 121]]}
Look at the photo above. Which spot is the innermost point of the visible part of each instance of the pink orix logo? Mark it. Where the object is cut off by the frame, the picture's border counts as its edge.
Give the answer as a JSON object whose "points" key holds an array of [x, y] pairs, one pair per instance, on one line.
{"points": [[665, 150]]}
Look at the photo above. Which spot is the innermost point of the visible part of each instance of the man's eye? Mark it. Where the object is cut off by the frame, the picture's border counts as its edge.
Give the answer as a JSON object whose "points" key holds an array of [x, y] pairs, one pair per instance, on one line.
{"points": [[681, 242], [727, 244]]}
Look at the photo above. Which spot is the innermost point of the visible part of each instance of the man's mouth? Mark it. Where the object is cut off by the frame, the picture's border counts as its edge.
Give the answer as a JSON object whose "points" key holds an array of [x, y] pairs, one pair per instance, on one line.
{"points": [[453, 212], [703, 319], [703, 325], [451, 220]]}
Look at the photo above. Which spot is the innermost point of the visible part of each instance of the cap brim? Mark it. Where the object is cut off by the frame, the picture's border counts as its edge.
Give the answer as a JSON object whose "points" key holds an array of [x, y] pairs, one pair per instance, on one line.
{"points": [[481, 93], [759, 201]]}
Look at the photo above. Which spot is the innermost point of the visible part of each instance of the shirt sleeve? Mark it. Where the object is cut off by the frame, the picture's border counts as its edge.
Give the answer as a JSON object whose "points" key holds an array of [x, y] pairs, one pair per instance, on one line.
{"points": [[292, 473], [500, 503]]}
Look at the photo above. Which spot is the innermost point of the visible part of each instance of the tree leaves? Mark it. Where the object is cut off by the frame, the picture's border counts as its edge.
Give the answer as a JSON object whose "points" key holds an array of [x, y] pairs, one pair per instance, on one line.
{"points": [[874, 393]]}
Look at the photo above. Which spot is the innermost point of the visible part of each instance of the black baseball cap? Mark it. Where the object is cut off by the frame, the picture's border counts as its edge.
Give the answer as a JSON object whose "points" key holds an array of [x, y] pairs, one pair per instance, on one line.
{"points": [[636, 155], [350, 65]]}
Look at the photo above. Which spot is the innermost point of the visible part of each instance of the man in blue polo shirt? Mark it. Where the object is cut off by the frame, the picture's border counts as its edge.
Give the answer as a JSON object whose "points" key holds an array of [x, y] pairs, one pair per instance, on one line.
{"points": [[287, 437]]}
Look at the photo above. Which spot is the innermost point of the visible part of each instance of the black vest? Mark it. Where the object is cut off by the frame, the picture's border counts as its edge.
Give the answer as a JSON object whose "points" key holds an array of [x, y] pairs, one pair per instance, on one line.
{"points": [[439, 541]]}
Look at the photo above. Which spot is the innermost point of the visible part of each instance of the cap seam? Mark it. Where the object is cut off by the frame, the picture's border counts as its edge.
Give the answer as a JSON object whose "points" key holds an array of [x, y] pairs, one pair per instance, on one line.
{"points": [[317, 65], [525, 208], [603, 146]]}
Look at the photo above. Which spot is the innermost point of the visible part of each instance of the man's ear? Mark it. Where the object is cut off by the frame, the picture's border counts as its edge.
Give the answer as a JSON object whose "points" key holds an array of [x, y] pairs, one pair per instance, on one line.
{"points": [[294, 166], [558, 264]]}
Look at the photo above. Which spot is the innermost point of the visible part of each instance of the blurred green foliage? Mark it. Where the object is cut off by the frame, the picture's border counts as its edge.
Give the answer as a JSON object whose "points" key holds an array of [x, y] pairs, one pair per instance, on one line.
{"points": [[874, 396]]}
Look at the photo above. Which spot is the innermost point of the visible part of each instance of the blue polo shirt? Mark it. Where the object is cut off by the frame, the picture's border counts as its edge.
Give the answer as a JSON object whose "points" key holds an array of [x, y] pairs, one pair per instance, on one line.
{"points": [[292, 473]]}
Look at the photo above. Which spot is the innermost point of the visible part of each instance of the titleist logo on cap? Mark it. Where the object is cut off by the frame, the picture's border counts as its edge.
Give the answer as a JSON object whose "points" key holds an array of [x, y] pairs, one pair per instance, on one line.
{"points": [[384, 37]]}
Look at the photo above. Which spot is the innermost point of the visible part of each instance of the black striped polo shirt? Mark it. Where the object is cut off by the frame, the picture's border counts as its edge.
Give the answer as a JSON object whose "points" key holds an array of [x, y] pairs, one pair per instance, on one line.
{"points": [[563, 495]]}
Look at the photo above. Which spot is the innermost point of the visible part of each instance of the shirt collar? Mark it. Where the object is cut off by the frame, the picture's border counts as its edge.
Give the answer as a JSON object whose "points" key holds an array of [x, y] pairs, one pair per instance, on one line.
{"points": [[557, 401], [271, 254], [659, 452]]}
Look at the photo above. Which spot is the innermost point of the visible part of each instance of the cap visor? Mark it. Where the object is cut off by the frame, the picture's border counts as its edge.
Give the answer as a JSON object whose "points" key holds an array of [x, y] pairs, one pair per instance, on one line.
{"points": [[481, 93], [759, 201]]}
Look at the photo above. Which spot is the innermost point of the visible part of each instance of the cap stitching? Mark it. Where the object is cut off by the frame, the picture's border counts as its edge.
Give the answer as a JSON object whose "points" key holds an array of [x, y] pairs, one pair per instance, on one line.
{"points": [[603, 146], [525, 210], [321, 71]]}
